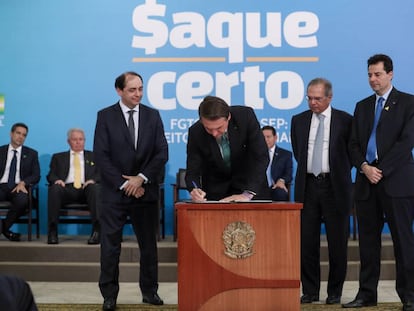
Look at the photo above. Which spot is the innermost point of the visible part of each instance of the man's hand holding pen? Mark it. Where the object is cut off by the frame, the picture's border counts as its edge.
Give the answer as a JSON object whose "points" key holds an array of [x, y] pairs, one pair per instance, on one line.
{"points": [[197, 195]]}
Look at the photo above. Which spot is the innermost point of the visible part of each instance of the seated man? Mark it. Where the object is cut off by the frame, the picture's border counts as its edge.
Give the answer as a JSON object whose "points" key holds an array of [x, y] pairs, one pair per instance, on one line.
{"points": [[279, 171], [72, 178], [19, 168]]}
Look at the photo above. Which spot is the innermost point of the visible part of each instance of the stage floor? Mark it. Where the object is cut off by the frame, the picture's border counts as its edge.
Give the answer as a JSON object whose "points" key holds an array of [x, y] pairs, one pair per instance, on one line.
{"points": [[60, 292]]}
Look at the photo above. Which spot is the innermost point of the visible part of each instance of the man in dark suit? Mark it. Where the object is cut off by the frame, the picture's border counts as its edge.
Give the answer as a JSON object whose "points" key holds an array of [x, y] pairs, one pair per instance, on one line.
{"points": [[130, 150], [16, 294], [279, 171], [238, 174], [23, 163], [73, 178], [381, 151], [320, 138]]}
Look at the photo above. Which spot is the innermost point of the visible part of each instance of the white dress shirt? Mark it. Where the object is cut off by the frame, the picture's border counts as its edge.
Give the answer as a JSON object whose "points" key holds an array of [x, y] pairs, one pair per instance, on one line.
{"points": [[10, 153]]}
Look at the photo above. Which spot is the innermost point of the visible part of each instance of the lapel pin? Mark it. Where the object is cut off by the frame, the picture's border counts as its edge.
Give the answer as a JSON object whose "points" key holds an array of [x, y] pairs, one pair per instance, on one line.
{"points": [[387, 108]]}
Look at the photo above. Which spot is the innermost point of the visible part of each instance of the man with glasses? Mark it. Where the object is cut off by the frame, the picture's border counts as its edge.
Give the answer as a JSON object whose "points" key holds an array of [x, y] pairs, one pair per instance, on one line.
{"points": [[323, 183]]}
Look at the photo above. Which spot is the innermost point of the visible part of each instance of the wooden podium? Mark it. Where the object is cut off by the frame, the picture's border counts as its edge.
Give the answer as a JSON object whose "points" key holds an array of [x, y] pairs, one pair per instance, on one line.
{"points": [[238, 256]]}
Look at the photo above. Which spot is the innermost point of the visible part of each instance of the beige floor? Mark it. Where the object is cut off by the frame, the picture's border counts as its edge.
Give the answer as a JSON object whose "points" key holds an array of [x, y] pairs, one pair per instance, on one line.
{"points": [[56, 292]]}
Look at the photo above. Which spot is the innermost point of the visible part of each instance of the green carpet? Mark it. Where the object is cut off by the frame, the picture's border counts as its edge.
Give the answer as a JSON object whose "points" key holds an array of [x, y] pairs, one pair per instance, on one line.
{"points": [[93, 307], [394, 306]]}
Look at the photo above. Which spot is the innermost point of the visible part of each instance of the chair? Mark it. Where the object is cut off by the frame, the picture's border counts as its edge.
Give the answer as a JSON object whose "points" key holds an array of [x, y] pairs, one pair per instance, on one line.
{"points": [[32, 216], [180, 184], [78, 213], [75, 213]]}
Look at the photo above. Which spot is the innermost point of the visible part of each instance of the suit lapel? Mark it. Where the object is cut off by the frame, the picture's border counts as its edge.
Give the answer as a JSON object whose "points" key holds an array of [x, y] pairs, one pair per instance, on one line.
{"points": [[389, 106], [275, 155], [66, 163], [23, 158], [86, 162], [232, 134], [142, 115]]}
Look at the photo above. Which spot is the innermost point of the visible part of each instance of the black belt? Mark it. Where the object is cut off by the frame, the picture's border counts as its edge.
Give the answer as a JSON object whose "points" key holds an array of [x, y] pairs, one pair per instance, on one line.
{"points": [[320, 176]]}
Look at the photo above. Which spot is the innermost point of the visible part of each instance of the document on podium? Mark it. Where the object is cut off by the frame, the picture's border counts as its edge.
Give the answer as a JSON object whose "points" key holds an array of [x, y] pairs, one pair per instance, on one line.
{"points": [[254, 201], [223, 202], [207, 201]]}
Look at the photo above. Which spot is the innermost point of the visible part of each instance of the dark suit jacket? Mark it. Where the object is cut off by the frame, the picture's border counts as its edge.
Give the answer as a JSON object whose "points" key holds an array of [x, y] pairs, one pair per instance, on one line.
{"points": [[339, 159], [29, 164], [249, 158], [115, 154], [395, 141], [59, 167], [282, 165]]}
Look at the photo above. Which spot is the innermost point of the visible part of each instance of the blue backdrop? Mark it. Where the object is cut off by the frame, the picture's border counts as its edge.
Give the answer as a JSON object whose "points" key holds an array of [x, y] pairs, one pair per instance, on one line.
{"points": [[59, 59]]}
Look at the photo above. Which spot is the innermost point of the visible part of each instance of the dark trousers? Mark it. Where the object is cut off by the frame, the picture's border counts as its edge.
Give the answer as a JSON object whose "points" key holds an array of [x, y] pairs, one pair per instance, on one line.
{"points": [[15, 294], [144, 218], [58, 196], [20, 204], [319, 206], [279, 194], [399, 214]]}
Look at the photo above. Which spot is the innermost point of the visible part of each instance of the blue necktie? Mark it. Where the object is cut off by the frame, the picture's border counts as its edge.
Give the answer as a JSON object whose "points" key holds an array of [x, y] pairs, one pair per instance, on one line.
{"points": [[372, 142], [12, 171], [318, 147], [269, 170]]}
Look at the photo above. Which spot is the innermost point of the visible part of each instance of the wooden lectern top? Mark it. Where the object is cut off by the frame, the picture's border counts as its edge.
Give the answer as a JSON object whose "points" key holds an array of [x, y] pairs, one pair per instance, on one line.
{"points": [[253, 204]]}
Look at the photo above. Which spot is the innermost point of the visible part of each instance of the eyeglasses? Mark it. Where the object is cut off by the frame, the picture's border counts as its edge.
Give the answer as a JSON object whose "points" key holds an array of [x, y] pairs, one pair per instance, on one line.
{"points": [[318, 99]]}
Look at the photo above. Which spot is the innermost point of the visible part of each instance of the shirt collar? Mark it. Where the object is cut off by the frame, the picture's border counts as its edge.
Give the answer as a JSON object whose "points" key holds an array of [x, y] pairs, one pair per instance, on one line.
{"points": [[385, 96], [72, 152], [326, 113], [125, 108], [18, 149]]}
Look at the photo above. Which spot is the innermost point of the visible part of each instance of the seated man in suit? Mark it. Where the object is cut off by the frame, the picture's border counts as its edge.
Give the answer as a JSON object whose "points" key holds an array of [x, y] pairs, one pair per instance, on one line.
{"points": [[73, 178], [19, 168], [279, 171]]}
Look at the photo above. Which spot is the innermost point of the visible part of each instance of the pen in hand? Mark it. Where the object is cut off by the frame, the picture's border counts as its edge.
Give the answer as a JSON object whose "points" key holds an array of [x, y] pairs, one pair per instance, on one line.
{"points": [[197, 194]]}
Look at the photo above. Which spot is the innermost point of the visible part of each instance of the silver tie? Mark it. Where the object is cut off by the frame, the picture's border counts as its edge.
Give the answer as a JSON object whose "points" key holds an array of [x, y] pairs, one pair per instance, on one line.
{"points": [[318, 148]]}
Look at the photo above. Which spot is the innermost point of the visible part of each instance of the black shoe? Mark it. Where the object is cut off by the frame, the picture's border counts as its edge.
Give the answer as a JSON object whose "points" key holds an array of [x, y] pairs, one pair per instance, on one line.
{"points": [[333, 299], [408, 306], [94, 238], [309, 298], [52, 238], [14, 237], [359, 303], [152, 299], [109, 304]]}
